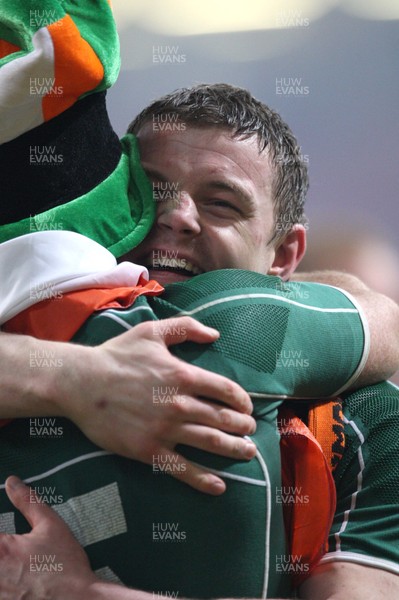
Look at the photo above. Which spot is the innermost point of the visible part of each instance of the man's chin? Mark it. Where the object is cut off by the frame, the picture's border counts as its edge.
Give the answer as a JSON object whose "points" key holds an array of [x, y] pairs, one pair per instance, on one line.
{"points": [[163, 276]]}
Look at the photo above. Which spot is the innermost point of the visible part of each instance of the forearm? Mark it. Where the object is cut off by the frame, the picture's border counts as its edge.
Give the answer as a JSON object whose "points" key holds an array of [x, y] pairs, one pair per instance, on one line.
{"points": [[101, 590], [382, 315], [346, 281], [107, 591], [34, 375], [339, 580]]}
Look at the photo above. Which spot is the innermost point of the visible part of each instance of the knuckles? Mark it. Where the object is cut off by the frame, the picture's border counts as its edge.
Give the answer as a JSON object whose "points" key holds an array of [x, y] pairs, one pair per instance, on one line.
{"points": [[183, 377], [214, 440], [148, 451], [225, 417]]}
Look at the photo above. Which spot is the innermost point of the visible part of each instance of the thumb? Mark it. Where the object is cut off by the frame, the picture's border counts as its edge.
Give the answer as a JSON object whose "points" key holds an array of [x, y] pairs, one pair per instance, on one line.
{"points": [[182, 329], [27, 502]]}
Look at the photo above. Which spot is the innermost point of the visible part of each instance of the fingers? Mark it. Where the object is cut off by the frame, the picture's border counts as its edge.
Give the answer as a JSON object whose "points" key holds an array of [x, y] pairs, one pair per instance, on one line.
{"points": [[194, 380], [203, 412], [217, 442], [199, 382], [28, 503], [196, 477], [182, 329]]}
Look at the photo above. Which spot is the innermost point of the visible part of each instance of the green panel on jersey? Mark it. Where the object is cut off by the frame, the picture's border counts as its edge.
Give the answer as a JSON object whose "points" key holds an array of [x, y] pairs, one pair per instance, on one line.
{"points": [[277, 339], [367, 480], [147, 528]]}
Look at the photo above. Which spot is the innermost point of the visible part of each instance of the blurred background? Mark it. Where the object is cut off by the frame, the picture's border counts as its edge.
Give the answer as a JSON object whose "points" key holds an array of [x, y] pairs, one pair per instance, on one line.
{"points": [[330, 67]]}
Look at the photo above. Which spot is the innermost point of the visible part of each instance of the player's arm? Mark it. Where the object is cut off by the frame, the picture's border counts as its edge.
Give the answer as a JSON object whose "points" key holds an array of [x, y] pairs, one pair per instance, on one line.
{"points": [[339, 580], [128, 369], [363, 555], [382, 315]]}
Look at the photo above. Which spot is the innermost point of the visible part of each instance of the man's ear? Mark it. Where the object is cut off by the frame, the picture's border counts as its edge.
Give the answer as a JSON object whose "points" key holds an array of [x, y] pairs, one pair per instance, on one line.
{"points": [[289, 253]]}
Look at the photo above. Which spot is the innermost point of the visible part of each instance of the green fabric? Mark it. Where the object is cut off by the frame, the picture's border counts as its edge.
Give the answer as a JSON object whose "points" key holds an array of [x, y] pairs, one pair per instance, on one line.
{"points": [[265, 344], [147, 528], [120, 211], [97, 26], [231, 546], [20, 19], [120, 208], [17, 26], [367, 478]]}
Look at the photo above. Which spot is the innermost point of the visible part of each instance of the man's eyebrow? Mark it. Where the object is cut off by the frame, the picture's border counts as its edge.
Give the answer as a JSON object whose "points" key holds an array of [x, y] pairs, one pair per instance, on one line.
{"points": [[227, 186], [233, 188], [154, 174]]}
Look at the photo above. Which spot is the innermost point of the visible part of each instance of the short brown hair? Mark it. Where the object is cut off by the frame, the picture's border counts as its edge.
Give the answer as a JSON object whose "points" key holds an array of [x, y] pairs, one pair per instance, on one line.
{"points": [[223, 105]]}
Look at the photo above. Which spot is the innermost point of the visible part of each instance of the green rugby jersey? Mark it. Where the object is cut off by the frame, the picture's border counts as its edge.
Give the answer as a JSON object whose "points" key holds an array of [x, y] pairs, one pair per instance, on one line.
{"points": [[366, 524], [281, 340], [144, 528]]}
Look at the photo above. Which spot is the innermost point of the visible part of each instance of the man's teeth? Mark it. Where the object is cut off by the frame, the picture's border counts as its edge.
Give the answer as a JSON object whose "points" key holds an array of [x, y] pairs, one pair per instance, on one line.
{"points": [[177, 263]]}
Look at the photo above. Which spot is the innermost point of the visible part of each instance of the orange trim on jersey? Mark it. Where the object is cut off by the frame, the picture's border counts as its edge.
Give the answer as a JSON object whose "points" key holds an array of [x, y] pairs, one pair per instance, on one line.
{"points": [[58, 319], [327, 425], [308, 495], [77, 68], [7, 48]]}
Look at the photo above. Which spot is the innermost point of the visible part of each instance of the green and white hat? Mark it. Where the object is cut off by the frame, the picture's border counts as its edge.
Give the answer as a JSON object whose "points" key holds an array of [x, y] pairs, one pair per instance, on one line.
{"points": [[61, 164]]}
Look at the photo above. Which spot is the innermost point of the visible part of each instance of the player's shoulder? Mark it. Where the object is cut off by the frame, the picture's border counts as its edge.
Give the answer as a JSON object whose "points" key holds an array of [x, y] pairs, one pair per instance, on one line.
{"points": [[373, 403], [371, 416], [371, 424]]}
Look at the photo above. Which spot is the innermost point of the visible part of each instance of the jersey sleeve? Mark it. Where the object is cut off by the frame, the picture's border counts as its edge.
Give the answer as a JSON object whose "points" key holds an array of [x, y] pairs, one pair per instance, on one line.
{"points": [[277, 340], [286, 340], [365, 530]]}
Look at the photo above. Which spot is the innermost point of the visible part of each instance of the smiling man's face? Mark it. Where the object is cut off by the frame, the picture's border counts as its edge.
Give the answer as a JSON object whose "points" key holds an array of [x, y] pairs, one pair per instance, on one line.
{"points": [[214, 204]]}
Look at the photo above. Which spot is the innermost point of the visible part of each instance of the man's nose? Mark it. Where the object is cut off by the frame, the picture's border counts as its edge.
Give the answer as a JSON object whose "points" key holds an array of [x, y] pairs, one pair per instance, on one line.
{"points": [[180, 215]]}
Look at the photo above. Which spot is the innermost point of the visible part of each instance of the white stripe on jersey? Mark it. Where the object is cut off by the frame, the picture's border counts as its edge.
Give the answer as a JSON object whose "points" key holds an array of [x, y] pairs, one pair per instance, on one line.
{"points": [[261, 295], [267, 485], [359, 483], [366, 347], [227, 475], [268, 519], [109, 315], [64, 465]]}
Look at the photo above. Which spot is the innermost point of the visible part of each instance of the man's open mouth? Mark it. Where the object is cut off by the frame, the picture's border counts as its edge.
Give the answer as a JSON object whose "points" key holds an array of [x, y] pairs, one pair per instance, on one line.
{"points": [[176, 265]]}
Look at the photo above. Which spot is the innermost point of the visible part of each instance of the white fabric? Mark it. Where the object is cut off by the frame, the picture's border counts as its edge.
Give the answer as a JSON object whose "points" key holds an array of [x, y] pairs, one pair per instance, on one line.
{"points": [[20, 97], [46, 264]]}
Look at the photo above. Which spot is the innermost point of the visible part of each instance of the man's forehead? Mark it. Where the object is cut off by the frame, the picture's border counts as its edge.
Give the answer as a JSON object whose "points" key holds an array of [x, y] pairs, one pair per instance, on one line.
{"points": [[155, 130], [214, 144]]}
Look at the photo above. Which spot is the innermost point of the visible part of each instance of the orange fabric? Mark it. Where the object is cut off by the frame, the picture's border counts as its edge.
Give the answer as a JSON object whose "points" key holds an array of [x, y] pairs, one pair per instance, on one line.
{"points": [[327, 425], [7, 48], [77, 68], [58, 319], [310, 494]]}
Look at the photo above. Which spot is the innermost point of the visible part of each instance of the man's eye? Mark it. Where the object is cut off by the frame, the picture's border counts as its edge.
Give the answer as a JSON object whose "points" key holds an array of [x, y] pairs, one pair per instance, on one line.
{"points": [[224, 204]]}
